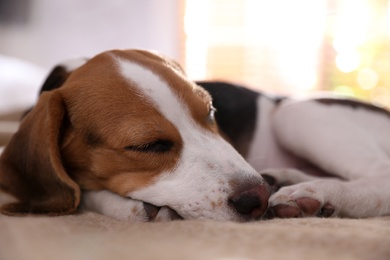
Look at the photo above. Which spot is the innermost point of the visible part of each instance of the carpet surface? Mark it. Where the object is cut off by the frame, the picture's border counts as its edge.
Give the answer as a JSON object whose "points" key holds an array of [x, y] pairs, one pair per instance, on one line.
{"points": [[93, 236]]}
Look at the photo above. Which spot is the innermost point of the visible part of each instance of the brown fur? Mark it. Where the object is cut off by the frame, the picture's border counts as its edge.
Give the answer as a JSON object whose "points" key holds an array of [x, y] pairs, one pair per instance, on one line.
{"points": [[78, 133], [31, 168]]}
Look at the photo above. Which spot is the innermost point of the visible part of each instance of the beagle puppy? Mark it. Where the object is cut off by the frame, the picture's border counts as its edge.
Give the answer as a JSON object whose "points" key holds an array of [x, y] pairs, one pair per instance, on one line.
{"points": [[126, 134]]}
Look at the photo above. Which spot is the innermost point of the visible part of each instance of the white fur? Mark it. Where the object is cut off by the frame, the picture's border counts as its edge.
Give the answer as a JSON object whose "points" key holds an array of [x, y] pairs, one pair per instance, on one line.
{"points": [[265, 152], [346, 141], [113, 205], [351, 143]]}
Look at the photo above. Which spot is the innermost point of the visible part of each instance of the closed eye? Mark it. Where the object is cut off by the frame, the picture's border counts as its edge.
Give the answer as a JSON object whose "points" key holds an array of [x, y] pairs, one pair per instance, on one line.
{"points": [[159, 146]]}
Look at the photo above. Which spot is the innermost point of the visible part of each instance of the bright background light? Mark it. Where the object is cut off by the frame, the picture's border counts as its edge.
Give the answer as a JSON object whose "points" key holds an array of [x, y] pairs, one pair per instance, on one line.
{"points": [[289, 46], [273, 43], [280, 46]]}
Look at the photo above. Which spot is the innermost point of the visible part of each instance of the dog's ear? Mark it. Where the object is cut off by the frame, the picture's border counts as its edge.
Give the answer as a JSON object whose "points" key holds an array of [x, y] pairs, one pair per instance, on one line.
{"points": [[30, 166], [55, 79], [58, 76], [60, 73]]}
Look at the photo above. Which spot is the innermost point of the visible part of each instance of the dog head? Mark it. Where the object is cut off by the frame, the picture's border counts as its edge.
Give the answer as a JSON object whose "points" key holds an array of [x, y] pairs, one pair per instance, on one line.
{"points": [[131, 123]]}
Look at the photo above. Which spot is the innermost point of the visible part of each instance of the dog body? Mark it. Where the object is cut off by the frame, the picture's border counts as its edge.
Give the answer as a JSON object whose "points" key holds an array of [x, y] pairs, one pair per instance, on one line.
{"points": [[334, 154], [127, 135]]}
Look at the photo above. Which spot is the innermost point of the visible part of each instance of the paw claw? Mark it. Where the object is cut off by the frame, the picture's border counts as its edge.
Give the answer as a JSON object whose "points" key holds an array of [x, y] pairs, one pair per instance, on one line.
{"points": [[326, 211]]}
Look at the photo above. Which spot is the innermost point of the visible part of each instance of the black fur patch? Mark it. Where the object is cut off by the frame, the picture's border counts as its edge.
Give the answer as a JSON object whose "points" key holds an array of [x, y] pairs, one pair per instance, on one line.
{"points": [[56, 78], [236, 112]]}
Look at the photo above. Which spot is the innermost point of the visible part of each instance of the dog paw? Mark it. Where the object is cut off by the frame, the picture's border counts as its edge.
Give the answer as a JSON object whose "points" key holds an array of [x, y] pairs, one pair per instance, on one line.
{"points": [[303, 207], [302, 200]]}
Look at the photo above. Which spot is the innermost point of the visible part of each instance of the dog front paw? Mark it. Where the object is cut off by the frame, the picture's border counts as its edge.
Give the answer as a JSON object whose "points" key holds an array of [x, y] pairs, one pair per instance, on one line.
{"points": [[302, 200], [302, 207]]}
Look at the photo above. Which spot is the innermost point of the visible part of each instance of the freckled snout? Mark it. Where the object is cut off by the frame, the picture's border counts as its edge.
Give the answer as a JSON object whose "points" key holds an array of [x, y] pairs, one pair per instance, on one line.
{"points": [[250, 200]]}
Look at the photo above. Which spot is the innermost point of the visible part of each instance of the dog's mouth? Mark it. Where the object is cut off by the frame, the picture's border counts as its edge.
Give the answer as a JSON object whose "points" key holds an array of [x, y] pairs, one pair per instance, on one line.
{"points": [[163, 213]]}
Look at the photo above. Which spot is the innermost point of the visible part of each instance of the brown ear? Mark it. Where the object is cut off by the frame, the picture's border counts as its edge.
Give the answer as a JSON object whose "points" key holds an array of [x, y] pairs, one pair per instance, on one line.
{"points": [[30, 166]]}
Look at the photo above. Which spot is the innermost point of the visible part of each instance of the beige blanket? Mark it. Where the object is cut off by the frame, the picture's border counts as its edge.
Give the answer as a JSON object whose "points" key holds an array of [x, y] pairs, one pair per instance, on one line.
{"points": [[93, 236]]}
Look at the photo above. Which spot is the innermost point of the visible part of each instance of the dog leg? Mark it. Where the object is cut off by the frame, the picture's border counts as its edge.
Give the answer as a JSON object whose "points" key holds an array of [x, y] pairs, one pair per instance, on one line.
{"points": [[348, 143], [365, 197], [115, 206], [339, 140]]}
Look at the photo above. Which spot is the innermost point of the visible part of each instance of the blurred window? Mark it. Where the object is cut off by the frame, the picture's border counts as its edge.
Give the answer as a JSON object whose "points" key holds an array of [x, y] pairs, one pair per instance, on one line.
{"points": [[295, 46]]}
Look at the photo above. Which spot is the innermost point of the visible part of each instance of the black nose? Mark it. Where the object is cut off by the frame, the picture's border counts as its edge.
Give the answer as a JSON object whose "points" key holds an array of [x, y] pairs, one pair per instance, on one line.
{"points": [[250, 202]]}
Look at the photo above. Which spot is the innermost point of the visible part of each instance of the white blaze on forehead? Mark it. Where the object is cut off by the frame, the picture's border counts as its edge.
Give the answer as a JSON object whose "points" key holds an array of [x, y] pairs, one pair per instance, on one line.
{"points": [[155, 88]]}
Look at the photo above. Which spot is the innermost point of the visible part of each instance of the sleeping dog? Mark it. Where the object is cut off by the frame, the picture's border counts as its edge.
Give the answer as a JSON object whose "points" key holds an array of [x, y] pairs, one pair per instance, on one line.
{"points": [[126, 134]]}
